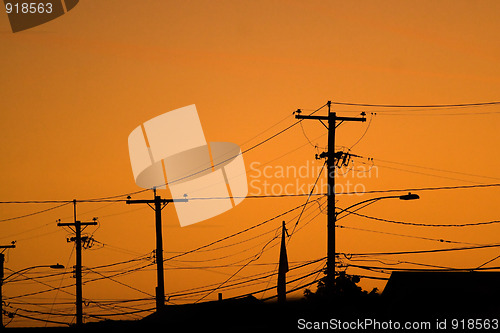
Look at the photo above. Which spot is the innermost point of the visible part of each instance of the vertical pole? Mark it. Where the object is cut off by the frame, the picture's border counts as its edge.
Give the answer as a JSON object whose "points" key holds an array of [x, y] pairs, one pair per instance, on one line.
{"points": [[330, 263], [159, 203], [332, 119], [160, 289], [2, 259], [78, 268], [282, 268]]}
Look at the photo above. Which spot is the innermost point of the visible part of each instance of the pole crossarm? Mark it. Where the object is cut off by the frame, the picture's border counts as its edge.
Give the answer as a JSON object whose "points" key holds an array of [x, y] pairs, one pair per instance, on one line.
{"points": [[154, 201], [298, 116], [72, 224], [142, 201]]}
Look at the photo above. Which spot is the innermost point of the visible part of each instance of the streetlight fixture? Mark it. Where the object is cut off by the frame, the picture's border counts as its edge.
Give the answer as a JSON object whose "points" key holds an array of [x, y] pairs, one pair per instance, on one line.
{"points": [[56, 266], [409, 196], [3, 280]]}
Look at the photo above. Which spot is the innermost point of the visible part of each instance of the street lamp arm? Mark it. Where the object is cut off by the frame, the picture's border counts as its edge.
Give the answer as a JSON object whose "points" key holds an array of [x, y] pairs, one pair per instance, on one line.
{"points": [[57, 266], [408, 196], [365, 201]]}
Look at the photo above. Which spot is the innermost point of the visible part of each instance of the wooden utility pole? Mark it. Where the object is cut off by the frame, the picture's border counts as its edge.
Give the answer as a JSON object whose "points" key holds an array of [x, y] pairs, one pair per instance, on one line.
{"points": [[332, 119], [2, 260], [78, 267], [159, 204]]}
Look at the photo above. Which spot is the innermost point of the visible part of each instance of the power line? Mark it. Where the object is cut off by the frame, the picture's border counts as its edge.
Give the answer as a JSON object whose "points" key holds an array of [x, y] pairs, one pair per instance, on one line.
{"points": [[307, 200], [288, 282], [237, 233], [456, 225], [243, 152], [121, 283], [414, 189], [149, 264], [38, 319], [438, 114], [34, 213], [364, 133], [251, 238], [487, 262], [125, 200], [109, 198], [399, 262], [437, 169], [417, 106], [348, 255], [440, 240], [421, 269], [245, 280], [256, 257], [424, 173], [120, 313], [275, 195]]}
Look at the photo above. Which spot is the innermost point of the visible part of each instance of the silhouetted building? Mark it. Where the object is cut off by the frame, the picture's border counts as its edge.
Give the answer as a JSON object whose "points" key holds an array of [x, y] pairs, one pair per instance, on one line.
{"points": [[443, 292]]}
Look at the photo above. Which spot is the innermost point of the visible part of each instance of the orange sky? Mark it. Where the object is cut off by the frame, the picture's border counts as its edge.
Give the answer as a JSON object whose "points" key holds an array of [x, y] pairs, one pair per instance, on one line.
{"points": [[73, 89]]}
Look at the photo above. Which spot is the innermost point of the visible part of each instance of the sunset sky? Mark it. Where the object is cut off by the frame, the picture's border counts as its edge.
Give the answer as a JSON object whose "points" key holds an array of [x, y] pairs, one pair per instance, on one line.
{"points": [[74, 88]]}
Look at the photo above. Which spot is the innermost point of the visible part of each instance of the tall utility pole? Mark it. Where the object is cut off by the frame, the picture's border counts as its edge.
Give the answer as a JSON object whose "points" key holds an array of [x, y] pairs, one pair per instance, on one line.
{"points": [[332, 119], [159, 204], [2, 260], [78, 267]]}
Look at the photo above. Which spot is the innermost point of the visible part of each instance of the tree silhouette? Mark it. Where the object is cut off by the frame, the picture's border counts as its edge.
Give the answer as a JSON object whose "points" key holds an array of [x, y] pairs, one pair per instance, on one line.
{"points": [[344, 287]]}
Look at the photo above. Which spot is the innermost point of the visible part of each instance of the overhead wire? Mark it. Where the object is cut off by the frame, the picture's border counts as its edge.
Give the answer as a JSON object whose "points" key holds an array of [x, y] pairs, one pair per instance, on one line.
{"points": [[121, 283], [34, 213], [254, 258], [436, 169], [422, 269], [364, 133], [107, 198], [242, 152], [424, 173], [429, 188], [454, 225], [417, 106], [150, 264], [452, 249], [241, 281], [455, 187], [440, 240]]}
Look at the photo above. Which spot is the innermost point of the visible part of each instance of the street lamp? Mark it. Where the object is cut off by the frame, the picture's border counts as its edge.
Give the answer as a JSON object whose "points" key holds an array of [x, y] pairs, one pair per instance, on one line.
{"points": [[409, 196], [3, 280], [56, 266]]}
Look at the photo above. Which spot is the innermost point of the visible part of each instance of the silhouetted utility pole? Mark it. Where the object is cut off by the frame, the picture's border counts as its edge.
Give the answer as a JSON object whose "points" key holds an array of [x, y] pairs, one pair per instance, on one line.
{"points": [[2, 260], [283, 267], [159, 204], [330, 158], [78, 267]]}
